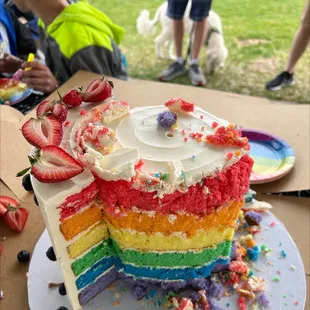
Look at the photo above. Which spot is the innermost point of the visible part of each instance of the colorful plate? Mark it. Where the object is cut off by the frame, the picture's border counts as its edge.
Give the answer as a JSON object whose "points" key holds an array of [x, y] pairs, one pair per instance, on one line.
{"points": [[19, 96], [273, 157]]}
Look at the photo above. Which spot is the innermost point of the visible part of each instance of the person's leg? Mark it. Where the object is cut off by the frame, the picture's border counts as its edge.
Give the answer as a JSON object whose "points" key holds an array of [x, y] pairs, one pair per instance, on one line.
{"points": [[199, 13], [199, 37], [176, 9], [300, 42], [178, 34]]}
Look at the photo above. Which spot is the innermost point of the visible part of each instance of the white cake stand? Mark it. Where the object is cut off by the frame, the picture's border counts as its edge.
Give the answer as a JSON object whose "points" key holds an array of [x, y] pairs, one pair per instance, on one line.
{"points": [[287, 293]]}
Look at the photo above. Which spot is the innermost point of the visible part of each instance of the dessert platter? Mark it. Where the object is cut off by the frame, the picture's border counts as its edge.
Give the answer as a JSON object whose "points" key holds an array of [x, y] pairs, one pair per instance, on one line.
{"points": [[150, 208]]}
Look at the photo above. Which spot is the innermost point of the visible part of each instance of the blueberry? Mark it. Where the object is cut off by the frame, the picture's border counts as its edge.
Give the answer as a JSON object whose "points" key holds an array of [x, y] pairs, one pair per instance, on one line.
{"points": [[51, 254], [62, 308], [62, 289], [35, 200], [27, 183], [23, 256]]}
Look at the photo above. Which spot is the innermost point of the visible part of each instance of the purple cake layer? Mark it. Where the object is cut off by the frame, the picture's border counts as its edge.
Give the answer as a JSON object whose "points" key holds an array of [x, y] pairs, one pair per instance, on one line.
{"points": [[95, 288]]}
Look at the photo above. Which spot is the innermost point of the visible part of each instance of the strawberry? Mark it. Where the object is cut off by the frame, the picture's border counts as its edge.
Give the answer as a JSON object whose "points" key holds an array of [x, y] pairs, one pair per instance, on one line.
{"points": [[43, 131], [73, 98], [44, 107], [179, 105], [6, 201], [98, 90], [16, 218], [52, 164], [60, 111]]}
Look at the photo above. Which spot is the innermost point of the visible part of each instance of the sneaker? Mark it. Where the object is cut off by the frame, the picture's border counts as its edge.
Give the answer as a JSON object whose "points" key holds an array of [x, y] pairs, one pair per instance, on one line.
{"points": [[284, 79], [196, 75], [175, 69]]}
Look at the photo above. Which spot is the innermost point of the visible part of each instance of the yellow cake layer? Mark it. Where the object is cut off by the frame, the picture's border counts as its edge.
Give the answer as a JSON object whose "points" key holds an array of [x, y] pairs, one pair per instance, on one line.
{"points": [[98, 233], [220, 219], [130, 239], [81, 221]]}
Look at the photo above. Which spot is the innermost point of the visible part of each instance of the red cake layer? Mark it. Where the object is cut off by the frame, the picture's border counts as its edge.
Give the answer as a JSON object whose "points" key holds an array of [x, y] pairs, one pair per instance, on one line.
{"points": [[226, 186], [74, 203]]}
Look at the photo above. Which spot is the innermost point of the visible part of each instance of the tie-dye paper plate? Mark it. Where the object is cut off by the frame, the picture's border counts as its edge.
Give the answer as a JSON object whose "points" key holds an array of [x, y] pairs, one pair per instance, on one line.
{"points": [[273, 157]]}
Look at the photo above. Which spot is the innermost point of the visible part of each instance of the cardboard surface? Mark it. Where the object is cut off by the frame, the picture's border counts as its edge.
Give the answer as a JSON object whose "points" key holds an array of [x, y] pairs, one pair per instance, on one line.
{"points": [[290, 122], [14, 149], [13, 279]]}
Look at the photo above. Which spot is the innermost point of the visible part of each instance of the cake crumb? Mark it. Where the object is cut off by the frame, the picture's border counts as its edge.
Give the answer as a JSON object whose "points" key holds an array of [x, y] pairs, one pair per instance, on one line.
{"points": [[116, 304], [292, 267], [296, 303], [272, 224], [54, 284], [276, 279]]}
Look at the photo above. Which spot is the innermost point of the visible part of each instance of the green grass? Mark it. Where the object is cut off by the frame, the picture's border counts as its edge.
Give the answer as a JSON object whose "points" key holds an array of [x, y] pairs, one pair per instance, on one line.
{"points": [[248, 67]]}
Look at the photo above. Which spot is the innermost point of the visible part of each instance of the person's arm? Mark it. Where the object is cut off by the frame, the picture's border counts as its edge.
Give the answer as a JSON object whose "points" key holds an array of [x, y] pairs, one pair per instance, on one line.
{"points": [[24, 40], [99, 60]]}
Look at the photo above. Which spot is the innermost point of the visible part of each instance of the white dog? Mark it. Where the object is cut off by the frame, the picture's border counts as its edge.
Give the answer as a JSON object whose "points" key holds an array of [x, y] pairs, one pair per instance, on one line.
{"points": [[215, 45]]}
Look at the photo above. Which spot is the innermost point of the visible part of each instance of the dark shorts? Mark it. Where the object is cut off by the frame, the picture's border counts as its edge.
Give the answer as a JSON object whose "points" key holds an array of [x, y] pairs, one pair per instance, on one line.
{"points": [[199, 9]]}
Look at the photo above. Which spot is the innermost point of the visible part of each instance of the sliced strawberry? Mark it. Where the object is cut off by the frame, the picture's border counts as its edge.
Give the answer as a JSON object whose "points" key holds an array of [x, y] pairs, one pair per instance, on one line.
{"points": [[73, 98], [44, 107], [43, 131], [6, 201], [98, 90], [52, 164], [60, 111], [187, 106], [16, 218]]}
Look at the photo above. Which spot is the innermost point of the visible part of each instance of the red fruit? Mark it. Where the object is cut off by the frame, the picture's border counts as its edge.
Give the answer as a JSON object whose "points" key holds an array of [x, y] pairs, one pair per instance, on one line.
{"points": [[16, 218], [53, 164], [43, 131], [60, 111], [187, 106], [98, 90], [6, 201], [44, 107], [73, 98]]}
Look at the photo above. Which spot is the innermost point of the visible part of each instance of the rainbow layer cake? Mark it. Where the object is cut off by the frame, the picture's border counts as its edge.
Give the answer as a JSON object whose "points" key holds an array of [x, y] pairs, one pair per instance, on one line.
{"points": [[155, 200]]}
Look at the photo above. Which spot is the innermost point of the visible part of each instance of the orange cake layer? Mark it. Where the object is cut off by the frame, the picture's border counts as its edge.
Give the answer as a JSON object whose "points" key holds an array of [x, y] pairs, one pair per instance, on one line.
{"points": [[81, 221], [220, 219]]}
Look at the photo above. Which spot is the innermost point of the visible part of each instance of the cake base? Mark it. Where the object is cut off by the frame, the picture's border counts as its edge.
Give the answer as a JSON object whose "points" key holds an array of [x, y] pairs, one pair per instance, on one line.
{"points": [[290, 289]]}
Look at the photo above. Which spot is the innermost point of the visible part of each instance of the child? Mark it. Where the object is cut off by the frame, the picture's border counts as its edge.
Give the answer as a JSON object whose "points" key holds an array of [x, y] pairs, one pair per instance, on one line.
{"points": [[73, 37], [16, 41]]}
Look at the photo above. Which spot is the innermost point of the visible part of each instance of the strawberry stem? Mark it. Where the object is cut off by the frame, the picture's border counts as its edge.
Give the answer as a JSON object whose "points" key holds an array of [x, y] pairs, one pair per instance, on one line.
{"points": [[57, 89], [21, 173]]}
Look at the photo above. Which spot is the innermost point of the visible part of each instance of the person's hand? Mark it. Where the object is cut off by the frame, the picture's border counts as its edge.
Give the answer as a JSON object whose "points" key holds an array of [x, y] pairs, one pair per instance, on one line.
{"points": [[10, 63], [39, 77]]}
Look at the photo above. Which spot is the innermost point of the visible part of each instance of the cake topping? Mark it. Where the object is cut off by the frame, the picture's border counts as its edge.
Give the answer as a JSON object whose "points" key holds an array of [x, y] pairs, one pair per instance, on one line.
{"points": [[57, 109], [228, 136], [99, 138], [26, 182], [166, 119], [43, 131], [179, 105], [23, 256], [115, 110], [52, 164], [98, 90], [73, 98]]}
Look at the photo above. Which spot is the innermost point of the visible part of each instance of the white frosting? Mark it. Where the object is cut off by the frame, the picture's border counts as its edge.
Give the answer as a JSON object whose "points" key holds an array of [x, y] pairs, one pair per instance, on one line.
{"points": [[185, 160]]}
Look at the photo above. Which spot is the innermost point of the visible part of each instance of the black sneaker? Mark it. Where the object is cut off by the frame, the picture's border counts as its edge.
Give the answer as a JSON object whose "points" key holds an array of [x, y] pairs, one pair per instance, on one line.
{"points": [[196, 75], [284, 79], [175, 69]]}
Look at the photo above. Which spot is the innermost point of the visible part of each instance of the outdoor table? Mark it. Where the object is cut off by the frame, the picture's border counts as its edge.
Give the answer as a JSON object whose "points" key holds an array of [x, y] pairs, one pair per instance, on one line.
{"points": [[290, 122]]}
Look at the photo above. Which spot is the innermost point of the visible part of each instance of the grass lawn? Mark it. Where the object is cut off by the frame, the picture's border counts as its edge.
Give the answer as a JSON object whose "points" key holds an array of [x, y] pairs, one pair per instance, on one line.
{"points": [[258, 35]]}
